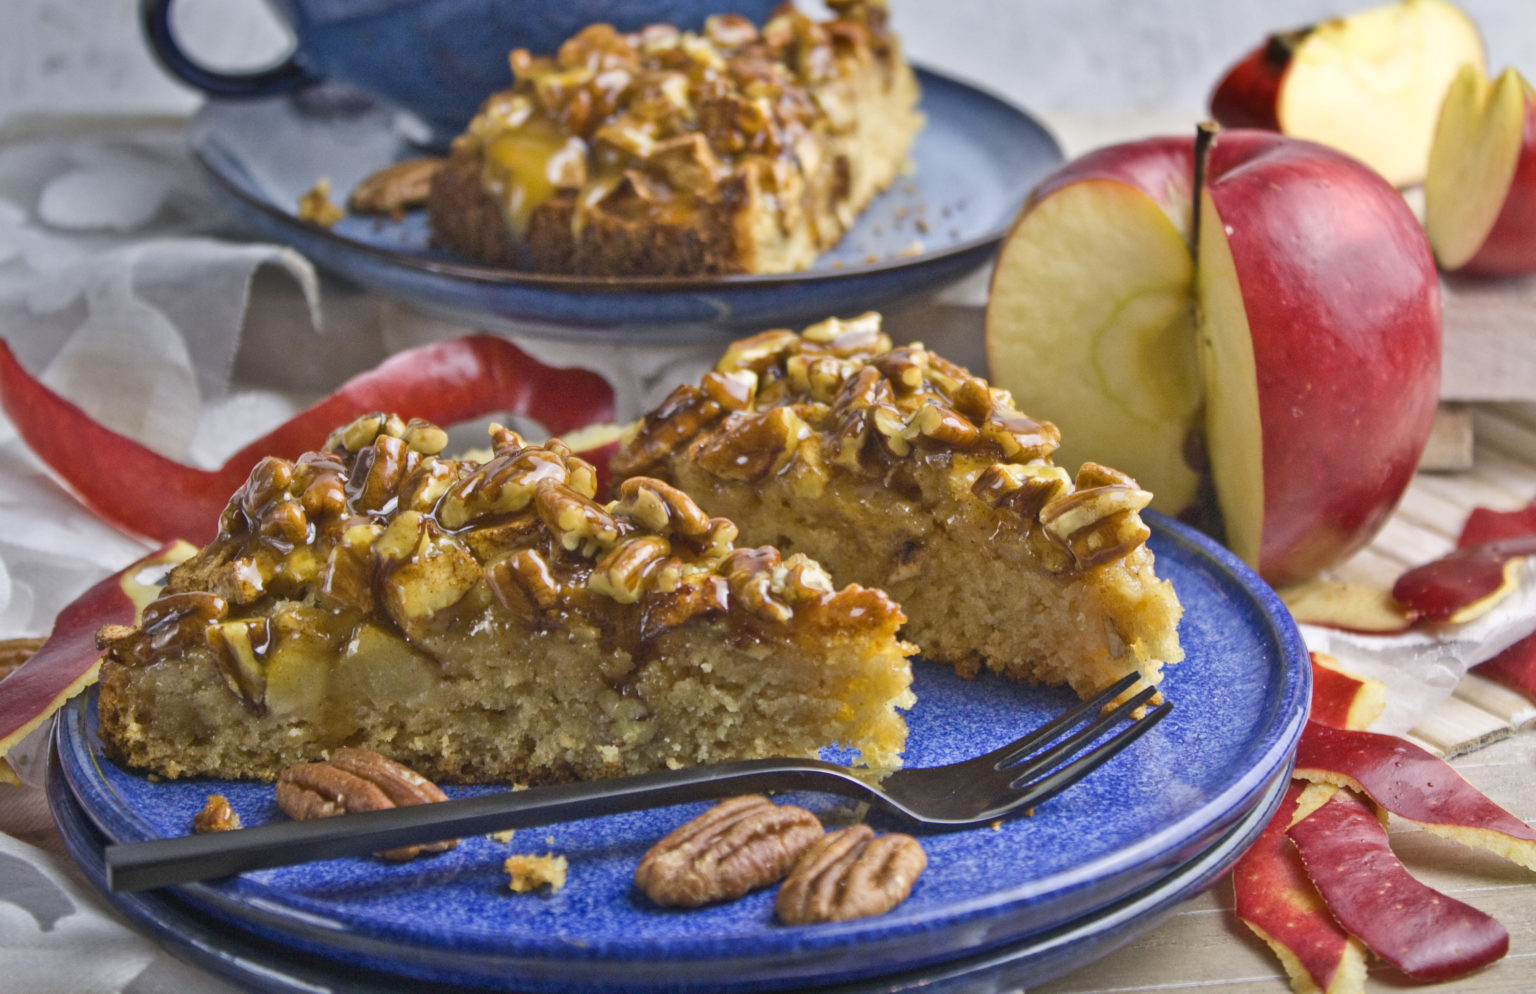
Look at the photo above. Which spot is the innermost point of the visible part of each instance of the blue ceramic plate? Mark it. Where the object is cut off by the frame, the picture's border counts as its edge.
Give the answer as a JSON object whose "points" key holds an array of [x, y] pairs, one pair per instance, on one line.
{"points": [[1240, 701], [974, 163], [273, 968]]}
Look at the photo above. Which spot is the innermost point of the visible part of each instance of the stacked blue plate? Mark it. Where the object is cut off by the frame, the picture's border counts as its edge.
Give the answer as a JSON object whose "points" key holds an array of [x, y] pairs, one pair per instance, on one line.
{"points": [[1004, 905]]}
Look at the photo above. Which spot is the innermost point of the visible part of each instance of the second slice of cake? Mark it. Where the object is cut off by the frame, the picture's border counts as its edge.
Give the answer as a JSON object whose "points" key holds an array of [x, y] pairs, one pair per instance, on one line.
{"points": [[898, 469]]}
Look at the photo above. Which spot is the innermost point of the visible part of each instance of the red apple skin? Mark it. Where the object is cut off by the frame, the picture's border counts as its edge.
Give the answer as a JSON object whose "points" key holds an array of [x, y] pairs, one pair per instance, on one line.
{"points": [[1427, 935], [1413, 784], [1248, 96], [1510, 248], [1346, 336], [1275, 897], [1163, 168]]}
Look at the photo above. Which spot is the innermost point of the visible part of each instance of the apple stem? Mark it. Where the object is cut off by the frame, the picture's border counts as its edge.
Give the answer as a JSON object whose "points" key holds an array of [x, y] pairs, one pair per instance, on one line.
{"points": [[1205, 138]]}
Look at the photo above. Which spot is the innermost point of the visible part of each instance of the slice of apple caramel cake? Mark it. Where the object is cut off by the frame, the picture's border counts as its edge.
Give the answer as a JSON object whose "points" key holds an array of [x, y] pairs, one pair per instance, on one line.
{"points": [[900, 470], [491, 622]]}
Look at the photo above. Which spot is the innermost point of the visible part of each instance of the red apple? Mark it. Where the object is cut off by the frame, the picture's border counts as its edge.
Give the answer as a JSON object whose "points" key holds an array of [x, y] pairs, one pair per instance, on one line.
{"points": [[1369, 83], [1480, 194], [1279, 347]]}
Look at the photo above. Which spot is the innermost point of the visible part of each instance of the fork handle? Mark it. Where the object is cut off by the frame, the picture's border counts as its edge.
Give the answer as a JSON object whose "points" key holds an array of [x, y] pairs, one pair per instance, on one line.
{"points": [[184, 859]]}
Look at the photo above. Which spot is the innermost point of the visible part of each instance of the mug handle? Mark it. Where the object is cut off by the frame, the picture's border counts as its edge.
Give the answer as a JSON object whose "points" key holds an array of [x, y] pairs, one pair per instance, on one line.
{"points": [[288, 75]]}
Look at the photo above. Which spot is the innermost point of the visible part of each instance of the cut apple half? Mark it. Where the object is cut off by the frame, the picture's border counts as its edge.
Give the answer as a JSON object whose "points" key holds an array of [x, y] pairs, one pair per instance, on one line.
{"points": [[1480, 194], [1280, 351], [1100, 275], [1369, 84]]}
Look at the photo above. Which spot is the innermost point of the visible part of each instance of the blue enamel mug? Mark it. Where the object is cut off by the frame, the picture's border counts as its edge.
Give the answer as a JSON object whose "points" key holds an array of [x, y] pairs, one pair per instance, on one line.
{"points": [[437, 59]]}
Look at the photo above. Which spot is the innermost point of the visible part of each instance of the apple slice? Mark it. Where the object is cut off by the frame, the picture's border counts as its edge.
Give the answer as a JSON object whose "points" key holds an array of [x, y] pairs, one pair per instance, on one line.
{"points": [[1424, 933], [1413, 784], [1275, 365], [1276, 899], [1350, 607], [1369, 83], [1487, 525], [1480, 193], [1342, 699]]}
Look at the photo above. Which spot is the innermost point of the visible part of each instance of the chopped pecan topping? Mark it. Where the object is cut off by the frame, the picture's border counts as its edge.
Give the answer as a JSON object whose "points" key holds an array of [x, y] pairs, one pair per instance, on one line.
{"points": [[662, 122], [354, 780], [839, 399], [396, 188], [737, 846], [850, 873]]}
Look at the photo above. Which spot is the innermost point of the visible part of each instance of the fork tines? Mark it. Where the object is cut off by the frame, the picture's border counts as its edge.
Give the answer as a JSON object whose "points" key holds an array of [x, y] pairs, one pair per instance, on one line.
{"points": [[1035, 759]]}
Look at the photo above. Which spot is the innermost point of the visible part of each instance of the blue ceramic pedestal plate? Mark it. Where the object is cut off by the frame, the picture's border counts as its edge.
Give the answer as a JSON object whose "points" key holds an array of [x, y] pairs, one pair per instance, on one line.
{"points": [[1084, 871]]}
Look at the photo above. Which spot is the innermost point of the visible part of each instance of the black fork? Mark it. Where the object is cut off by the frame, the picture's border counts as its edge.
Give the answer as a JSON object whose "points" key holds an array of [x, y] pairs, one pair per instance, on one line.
{"points": [[1019, 776]]}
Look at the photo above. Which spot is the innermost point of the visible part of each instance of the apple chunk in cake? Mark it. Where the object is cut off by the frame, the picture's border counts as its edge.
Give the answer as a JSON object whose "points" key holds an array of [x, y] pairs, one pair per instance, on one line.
{"points": [[733, 150], [900, 470], [492, 621]]}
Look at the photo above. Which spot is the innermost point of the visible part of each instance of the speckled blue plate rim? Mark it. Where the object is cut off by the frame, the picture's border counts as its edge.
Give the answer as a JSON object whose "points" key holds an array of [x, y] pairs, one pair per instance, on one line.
{"points": [[275, 969], [993, 917], [966, 120]]}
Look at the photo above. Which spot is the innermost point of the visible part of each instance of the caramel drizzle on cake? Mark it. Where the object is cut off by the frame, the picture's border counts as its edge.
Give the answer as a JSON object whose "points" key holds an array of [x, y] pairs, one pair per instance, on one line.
{"points": [[379, 530]]}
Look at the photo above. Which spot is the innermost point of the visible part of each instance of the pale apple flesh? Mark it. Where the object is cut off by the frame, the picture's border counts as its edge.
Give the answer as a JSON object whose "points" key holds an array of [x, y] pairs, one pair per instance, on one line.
{"points": [[1096, 277], [1369, 84], [1480, 194]]}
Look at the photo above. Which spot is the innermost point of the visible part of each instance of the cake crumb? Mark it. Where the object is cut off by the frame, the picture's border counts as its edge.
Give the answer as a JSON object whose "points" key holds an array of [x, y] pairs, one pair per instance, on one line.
{"points": [[528, 872], [216, 816], [504, 836], [317, 208]]}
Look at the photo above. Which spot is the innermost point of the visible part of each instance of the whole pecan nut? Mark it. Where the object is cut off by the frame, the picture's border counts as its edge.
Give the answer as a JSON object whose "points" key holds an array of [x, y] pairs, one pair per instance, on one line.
{"points": [[850, 873], [740, 845], [354, 780]]}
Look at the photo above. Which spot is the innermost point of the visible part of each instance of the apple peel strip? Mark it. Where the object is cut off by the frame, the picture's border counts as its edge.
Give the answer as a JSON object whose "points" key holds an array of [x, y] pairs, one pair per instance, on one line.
{"points": [[68, 661], [1415, 785], [141, 491], [1278, 901], [1427, 935]]}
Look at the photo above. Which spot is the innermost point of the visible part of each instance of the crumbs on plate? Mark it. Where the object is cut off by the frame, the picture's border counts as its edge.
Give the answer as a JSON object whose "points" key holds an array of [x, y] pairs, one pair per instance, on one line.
{"points": [[528, 872]]}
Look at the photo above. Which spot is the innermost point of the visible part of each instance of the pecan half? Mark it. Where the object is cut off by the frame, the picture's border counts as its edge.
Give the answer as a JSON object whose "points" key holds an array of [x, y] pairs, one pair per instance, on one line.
{"points": [[739, 845], [354, 780], [851, 873], [396, 188]]}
